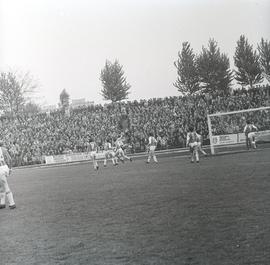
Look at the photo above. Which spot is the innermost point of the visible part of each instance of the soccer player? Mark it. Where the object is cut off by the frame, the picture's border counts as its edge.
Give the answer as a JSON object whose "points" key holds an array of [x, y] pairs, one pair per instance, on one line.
{"points": [[93, 149], [200, 140], [192, 142], [119, 144], [250, 132], [152, 143], [109, 153], [5, 170]]}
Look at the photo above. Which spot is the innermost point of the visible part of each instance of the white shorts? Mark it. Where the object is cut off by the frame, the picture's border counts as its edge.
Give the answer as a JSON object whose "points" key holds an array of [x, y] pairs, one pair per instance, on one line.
{"points": [[119, 151], [152, 148], [192, 145], [4, 171], [251, 134], [109, 154], [93, 154]]}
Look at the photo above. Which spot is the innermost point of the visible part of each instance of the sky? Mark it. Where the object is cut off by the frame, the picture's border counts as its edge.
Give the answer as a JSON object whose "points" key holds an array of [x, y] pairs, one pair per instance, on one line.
{"points": [[64, 44]]}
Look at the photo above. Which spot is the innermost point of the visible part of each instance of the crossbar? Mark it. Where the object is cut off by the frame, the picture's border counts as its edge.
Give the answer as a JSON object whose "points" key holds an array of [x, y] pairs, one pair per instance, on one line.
{"points": [[237, 111]]}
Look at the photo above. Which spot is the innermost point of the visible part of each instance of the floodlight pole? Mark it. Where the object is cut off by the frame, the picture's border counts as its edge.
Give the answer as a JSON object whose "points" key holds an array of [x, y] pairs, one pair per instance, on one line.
{"points": [[210, 134]]}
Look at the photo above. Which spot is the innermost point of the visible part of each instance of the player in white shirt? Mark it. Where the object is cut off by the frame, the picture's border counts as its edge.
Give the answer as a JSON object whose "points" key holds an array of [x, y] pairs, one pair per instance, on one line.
{"points": [[250, 133], [5, 170], [92, 148], [109, 153], [151, 146], [192, 143], [200, 139], [119, 145]]}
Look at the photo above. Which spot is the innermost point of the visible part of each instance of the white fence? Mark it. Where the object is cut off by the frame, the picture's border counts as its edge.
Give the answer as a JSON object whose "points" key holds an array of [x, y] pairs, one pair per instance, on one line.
{"points": [[217, 140], [71, 158], [238, 138]]}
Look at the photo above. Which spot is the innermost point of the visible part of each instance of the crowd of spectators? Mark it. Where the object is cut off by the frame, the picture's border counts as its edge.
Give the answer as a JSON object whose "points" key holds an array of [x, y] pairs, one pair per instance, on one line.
{"points": [[30, 137]]}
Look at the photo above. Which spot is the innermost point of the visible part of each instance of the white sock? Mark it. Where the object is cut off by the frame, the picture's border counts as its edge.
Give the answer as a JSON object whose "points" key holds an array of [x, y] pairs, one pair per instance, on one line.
{"points": [[10, 198], [203, 152], [2, 198], [197, 156]]}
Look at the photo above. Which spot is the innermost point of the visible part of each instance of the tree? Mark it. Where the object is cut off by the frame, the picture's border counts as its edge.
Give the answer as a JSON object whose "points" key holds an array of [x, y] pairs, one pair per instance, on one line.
{"points": [[14, 89], [64, 99], [247, 62], [188, 79], [264, 53], [214, 70], [115, 86]]}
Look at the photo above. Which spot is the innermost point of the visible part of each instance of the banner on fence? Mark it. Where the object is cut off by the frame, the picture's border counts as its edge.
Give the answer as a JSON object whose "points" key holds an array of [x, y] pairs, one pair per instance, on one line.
{"points": [[224, 139], [241, 138], [261, 136], [56, 159]]}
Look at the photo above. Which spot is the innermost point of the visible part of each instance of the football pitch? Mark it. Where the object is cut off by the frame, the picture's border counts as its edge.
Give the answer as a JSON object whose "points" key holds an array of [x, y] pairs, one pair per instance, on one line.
{"points": [[215, 212]]}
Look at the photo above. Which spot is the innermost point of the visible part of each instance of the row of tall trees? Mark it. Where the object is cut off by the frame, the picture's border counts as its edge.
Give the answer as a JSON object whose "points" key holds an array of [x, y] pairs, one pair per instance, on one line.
{"points": [[206, 72], [209, 71]]}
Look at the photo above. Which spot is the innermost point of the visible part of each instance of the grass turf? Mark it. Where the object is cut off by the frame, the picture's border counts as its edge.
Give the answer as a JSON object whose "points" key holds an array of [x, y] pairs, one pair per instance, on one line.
{"points": [[215, 212]]}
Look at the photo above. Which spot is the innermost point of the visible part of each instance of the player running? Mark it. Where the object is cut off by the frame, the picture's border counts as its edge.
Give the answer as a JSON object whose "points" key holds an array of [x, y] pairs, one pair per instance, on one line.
{"points": [[151, 146], [93, 149], [192, 142], [109, 153], [119, 145], [5, 170], [250, 132]]}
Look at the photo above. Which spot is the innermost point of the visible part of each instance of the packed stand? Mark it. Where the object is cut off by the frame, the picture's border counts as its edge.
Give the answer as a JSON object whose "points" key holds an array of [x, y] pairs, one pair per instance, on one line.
{"points": [[31, 137]]}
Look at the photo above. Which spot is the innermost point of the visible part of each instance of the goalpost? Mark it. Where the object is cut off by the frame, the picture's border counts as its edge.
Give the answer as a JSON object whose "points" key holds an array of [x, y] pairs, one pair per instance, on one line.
{"points": [[230, 125]]}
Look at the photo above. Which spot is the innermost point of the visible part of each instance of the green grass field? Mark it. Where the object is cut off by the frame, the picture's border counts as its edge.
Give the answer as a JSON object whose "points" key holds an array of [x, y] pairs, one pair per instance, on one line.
{"points": [[216, 212]]}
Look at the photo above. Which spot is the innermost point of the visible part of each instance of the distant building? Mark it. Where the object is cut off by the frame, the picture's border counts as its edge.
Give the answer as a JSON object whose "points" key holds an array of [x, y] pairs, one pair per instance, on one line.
{"points": [[81, 102], [75, 103], [49, 108]]}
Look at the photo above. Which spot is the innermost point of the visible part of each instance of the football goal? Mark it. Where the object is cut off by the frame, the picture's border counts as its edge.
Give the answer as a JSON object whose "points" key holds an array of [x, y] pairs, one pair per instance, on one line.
{"points": [[226, 128]]}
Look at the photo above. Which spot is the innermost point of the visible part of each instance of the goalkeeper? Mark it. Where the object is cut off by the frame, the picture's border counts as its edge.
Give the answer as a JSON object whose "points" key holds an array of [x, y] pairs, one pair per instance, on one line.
{"points": [[250, 133], [200, 142]]}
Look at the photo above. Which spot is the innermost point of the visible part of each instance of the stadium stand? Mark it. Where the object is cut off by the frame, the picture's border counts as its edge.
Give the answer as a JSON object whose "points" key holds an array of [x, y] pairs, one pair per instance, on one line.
{"points": [[30, 137]]}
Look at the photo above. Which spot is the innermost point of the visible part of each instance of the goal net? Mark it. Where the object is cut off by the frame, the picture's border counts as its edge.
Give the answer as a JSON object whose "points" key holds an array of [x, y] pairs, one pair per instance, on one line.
{"points": [[226, 129]]}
